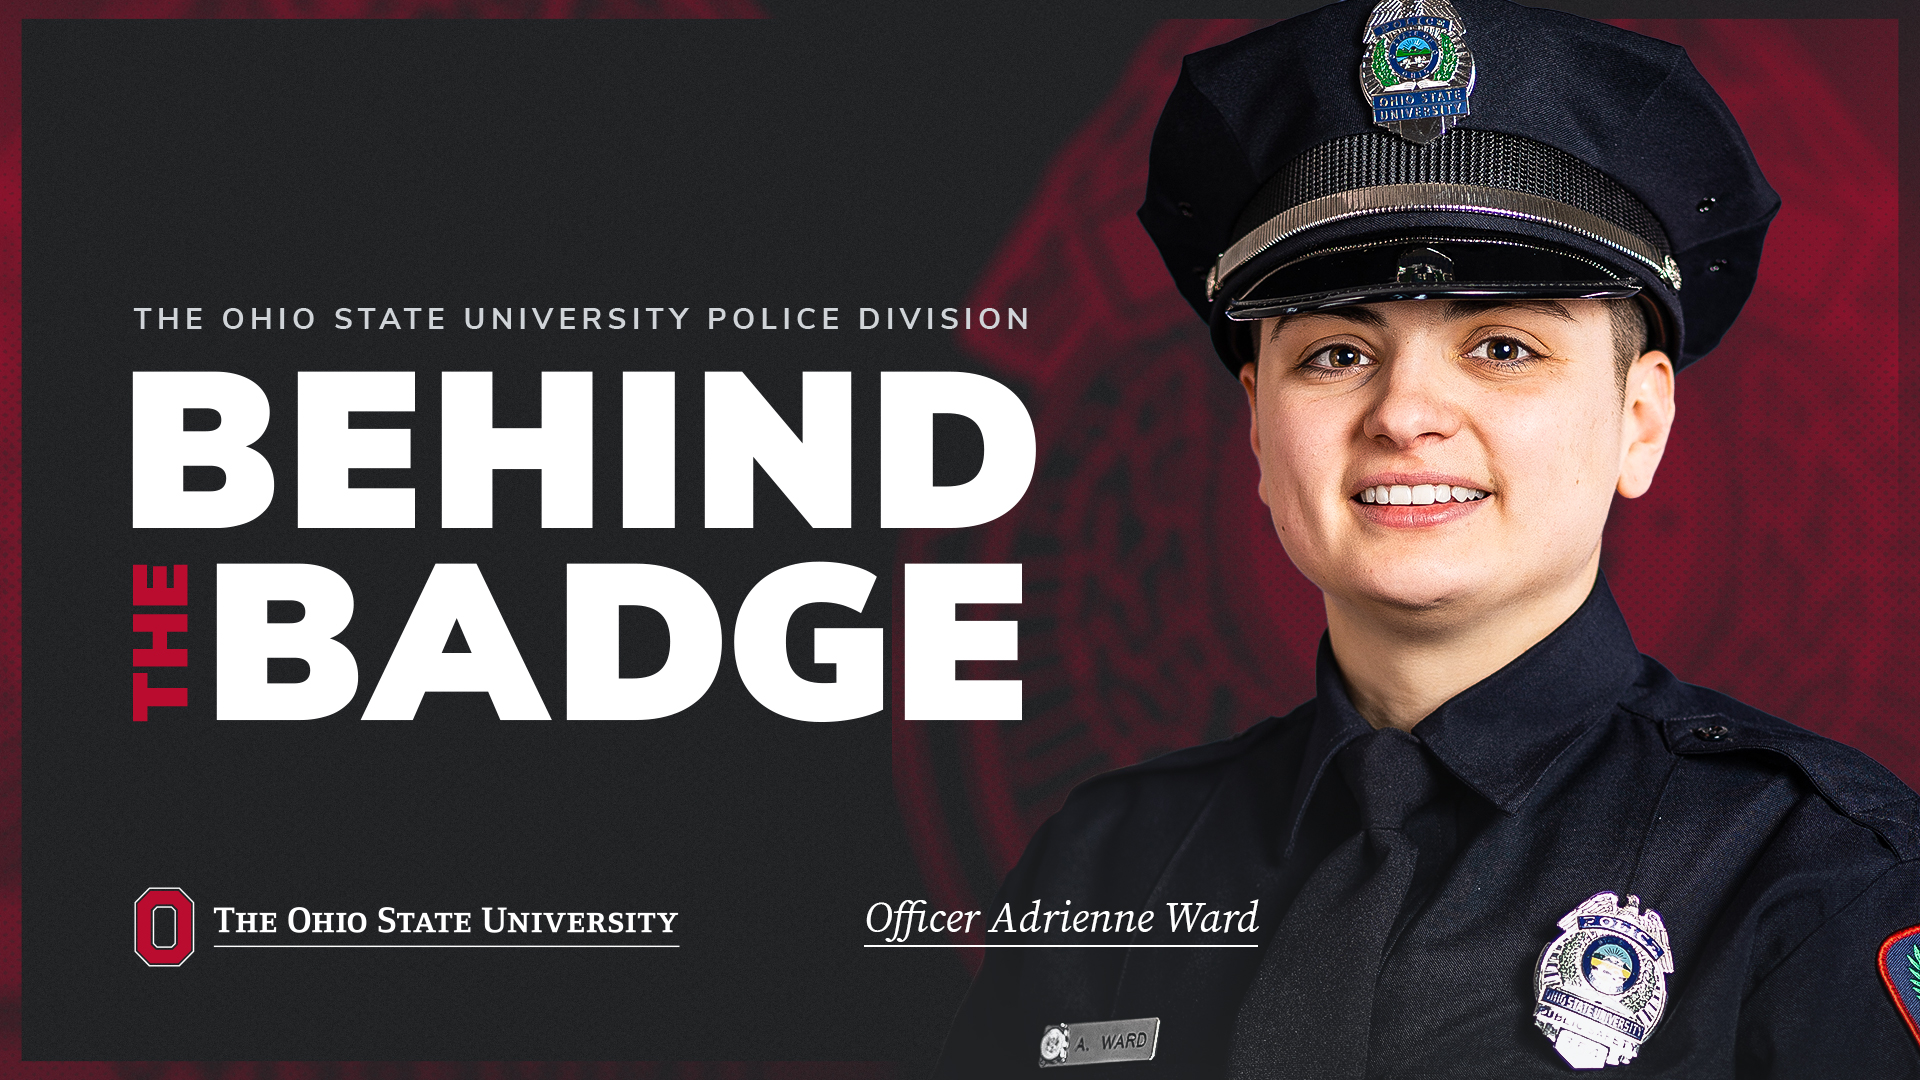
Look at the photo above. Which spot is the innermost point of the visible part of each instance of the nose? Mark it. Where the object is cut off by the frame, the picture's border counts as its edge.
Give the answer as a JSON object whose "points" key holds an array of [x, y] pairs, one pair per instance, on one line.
{"points": [[1412, 404]]}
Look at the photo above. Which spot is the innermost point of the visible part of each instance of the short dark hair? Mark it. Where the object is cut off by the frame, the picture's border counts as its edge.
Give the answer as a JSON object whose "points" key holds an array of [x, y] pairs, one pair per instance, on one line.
{"points": [[1629, 338]]}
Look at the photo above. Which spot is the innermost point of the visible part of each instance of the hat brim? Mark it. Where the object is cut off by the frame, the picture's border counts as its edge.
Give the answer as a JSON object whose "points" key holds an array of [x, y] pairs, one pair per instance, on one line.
{"points": [[1375, 262], [1427, 268]]}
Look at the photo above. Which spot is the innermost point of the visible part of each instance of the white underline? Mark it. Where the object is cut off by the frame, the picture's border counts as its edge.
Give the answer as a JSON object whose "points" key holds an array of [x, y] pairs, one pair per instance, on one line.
{"points": [[433, 946], [964, 946]]}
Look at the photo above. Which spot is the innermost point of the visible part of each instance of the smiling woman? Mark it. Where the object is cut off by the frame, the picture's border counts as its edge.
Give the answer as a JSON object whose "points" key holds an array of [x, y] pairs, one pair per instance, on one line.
{"points": [[1499, 841], [1510, 404]]}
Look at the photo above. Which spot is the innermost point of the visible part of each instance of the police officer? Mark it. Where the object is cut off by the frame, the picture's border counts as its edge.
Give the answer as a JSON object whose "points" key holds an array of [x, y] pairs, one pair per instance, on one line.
{"points": [[1455, 251]]}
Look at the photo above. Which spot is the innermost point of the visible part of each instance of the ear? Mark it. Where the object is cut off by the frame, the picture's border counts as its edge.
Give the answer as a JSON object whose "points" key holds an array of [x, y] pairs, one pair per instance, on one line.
{"points": [[1249, 376], [1646, 419]]}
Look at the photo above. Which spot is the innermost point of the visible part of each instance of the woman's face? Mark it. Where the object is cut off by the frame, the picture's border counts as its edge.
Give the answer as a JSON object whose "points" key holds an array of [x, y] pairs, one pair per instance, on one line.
{"points": [[1458, 454]]}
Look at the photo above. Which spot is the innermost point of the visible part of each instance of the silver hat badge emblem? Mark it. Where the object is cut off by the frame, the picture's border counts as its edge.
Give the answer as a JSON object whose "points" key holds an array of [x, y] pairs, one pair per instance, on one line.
{"points": [[1416, 70]]}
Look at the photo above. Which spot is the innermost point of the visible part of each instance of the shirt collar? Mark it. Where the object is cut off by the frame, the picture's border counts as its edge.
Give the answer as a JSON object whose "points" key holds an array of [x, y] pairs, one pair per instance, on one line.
{"points": [[1499, 735]]}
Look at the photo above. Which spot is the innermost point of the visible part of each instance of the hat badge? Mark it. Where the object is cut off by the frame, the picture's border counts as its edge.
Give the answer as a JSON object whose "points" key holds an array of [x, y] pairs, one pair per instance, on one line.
{"points": [[1416, 70], [1601, 985]]}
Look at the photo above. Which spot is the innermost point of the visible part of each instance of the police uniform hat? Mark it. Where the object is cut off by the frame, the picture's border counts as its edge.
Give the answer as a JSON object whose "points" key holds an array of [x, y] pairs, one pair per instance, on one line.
{"points": [[1581, 161]]}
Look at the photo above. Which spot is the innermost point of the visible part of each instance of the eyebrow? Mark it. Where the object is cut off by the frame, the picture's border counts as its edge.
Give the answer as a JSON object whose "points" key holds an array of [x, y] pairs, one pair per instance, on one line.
{"points": [[1450, 310], [1462, 309], [1361, 315]]}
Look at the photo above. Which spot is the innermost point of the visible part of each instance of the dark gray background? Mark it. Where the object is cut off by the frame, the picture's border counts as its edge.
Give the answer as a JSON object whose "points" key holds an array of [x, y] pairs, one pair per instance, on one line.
{"points": [[852, 156]]}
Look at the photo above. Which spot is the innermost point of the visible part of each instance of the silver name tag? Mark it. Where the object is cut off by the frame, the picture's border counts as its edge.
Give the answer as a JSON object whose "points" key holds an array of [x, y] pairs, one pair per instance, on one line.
{"points": [[1097, 1041]]}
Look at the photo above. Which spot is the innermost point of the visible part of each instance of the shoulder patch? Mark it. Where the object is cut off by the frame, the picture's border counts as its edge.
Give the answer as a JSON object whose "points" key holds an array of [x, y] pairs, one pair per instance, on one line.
{"points": [[1900, 970]]}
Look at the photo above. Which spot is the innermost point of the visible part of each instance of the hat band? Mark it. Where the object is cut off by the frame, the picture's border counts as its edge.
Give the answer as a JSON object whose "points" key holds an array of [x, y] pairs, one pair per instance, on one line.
{"points": [[1430, 198]]}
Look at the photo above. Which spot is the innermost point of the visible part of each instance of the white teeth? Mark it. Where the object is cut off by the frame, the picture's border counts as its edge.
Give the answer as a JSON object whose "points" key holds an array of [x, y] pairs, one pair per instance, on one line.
{"points": [[1419, 494]]}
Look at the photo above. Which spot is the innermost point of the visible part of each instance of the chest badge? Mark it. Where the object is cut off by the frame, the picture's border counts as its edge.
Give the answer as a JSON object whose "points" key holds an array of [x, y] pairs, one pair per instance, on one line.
{"points": [[1416, 70], [1602, 984]]}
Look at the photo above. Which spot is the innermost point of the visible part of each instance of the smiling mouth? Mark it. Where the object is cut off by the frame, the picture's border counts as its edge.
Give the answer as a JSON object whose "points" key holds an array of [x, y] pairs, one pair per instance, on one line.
{"points": [[1419, 494]]}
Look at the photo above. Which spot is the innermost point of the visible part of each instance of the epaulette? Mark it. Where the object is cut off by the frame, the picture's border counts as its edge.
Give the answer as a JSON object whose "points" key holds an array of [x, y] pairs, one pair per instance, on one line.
{"points": [[1700, 721]]}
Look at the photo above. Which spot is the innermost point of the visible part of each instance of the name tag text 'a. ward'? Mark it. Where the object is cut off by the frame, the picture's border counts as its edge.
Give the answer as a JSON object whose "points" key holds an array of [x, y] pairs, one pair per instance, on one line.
{"points": [[1099, 1041]]}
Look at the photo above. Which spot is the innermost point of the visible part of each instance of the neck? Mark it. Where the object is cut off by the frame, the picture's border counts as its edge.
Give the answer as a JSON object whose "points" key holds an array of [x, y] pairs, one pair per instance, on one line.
{"points": [[1400, 666]]}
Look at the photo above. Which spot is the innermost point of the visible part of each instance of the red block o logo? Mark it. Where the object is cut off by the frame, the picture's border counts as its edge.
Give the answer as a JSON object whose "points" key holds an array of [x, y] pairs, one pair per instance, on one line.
{"points": [[148, 938]]}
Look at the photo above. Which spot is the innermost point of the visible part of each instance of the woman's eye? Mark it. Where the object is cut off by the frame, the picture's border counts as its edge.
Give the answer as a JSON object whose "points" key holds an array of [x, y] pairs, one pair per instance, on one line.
{"points": [[1338, 358], [1503, 351]]}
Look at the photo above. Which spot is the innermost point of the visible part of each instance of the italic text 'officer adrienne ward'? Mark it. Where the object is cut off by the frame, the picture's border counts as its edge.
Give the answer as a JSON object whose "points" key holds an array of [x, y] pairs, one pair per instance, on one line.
{"points": [[1456, 252]]}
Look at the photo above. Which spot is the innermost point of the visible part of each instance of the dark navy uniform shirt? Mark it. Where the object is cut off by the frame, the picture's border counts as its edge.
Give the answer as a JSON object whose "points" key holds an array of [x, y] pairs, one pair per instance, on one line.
{"points": [[1779, 861]]}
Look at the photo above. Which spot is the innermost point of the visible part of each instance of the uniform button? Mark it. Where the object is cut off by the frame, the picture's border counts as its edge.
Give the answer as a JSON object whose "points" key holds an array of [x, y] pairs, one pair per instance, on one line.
{"points": [[1712, 732], [1706, 204]]}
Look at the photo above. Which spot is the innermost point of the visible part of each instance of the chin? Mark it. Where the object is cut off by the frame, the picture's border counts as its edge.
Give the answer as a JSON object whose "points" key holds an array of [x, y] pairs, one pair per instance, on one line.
{"points": [[1415, 583], [1412, 593]]}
